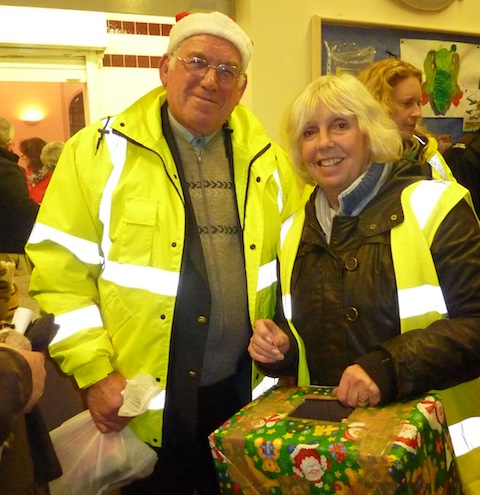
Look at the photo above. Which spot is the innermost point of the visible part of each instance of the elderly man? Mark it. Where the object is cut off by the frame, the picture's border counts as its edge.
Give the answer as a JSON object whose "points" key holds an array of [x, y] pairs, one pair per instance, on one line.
{"points": [[156, 250]]}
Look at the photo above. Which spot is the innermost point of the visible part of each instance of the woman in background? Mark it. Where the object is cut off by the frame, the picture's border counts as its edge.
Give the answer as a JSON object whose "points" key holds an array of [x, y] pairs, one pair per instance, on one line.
{"points": [[379, 270], [397, 85], [38, 175], [50, 155]]}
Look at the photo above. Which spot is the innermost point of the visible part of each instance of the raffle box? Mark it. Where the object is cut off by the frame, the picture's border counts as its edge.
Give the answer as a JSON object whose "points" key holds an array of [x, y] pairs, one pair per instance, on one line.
{"points": [[271, 447]]}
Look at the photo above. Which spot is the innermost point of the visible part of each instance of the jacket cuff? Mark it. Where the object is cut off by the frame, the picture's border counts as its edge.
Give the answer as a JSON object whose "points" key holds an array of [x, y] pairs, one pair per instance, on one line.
{"points": [[379, 366], [93, 372]]}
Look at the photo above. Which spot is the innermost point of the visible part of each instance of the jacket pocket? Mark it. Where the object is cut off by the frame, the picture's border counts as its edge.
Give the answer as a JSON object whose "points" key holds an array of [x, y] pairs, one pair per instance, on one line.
{"points": [[133, 243]]}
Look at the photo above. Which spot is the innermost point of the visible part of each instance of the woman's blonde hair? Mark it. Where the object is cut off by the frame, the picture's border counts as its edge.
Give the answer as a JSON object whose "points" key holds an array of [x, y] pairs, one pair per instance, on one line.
{"points": [[342, 94], [51, 153]]}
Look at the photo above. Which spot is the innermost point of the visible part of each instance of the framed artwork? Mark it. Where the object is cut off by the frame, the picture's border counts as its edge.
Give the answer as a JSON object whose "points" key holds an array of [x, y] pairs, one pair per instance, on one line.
{"points": [[450, 63]]}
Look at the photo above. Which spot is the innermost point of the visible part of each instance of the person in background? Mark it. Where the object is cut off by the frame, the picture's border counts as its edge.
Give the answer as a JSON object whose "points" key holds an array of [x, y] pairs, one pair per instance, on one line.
{"points": [[51, 154], [22, 380], [378, 272], [165, 220], [397, 85], [463, 157], [17, 210], [38, 175]]}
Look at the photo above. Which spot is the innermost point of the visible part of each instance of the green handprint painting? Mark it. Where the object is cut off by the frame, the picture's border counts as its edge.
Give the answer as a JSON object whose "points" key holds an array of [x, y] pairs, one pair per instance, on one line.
{"points": [[441, 88]]}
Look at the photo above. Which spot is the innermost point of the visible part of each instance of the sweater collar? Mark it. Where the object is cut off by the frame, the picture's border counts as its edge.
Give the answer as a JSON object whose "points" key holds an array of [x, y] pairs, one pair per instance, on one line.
{"points": [[354, 199], [360, 193], [196, 141]]}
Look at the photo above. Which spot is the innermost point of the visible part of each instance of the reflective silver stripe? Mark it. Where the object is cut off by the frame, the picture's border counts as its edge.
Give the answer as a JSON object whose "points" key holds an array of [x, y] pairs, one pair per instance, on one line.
{"points": [[263, 386], [436, 164], [267, 275], [75, 321], [118, 153], [287, 306], [285, 228], [434, 161], [152, 279], [465, 435], [424, 199], [276, 176], [158, 402], [420, 300], [85, 251]]}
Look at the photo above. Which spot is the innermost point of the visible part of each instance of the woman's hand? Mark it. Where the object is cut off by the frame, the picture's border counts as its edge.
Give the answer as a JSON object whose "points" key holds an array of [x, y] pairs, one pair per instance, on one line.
{"points": [[356, 388], [269, 343]]}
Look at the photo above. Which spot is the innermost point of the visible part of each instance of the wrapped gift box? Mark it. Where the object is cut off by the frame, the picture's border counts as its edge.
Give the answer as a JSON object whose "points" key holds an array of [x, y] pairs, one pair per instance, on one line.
{"points": [[273, 447]]}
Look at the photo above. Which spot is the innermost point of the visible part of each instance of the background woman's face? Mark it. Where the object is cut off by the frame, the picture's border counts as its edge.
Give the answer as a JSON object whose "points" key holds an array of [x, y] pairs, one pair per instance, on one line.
{"points": [[407, 105], [334, 150], [24, 161]]}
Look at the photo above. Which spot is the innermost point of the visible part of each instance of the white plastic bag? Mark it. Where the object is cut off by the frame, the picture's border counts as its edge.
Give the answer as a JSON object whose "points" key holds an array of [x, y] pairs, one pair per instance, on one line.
{"points": [[94, 462]]}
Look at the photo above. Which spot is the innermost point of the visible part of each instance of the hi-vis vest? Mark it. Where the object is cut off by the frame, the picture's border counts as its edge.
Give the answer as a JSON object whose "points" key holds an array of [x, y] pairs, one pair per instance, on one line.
{"points": [[420, 302], [440, 169]]}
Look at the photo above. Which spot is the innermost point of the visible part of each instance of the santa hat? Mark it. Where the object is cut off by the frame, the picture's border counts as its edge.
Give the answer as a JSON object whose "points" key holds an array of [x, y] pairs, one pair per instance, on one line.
{"points": [[214, 23]]}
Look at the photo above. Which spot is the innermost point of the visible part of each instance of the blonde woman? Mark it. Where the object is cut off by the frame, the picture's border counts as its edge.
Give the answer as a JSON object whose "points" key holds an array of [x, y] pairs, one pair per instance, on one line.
{"points": [[379, 270], [397, 85]]}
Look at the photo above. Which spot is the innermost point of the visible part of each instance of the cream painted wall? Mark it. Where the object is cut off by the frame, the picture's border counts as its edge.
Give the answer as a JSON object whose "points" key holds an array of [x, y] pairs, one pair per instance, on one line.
{"points": [[280, 29]]}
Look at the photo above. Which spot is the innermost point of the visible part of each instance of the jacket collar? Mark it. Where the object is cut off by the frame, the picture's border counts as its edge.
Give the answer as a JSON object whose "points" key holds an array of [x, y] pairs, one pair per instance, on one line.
{"points": [[9, 155], [381, 214], [141, 121]]}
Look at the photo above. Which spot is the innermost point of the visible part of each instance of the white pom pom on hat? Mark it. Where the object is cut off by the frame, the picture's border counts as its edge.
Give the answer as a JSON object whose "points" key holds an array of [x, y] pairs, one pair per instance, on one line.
{"points": [[214, 23]]}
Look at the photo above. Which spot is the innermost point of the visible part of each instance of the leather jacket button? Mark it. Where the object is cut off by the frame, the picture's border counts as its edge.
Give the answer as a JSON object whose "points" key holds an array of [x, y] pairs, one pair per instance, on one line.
{"points": [[352, 313], [202, 320], [351, 264]]}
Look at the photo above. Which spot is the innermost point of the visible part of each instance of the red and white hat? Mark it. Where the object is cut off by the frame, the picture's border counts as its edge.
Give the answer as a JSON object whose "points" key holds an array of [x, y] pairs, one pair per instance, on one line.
{"points": [[214, 23]]}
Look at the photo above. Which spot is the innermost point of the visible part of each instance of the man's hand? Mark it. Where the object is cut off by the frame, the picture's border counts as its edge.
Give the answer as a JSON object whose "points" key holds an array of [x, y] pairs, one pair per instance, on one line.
{"points": [[269, 343], [104, 400]]}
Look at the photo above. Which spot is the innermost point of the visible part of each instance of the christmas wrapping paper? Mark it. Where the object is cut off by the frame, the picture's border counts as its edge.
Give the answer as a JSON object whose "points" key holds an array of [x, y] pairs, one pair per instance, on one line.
{"points": [[402, 448]]}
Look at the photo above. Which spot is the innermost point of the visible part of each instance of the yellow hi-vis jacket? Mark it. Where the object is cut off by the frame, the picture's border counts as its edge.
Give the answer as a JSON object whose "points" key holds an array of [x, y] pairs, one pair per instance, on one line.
{"points": [[109, 241], [420, 301]]}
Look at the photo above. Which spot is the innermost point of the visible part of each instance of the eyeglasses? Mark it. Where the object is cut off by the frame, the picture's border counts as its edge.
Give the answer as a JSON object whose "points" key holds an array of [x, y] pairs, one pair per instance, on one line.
{"points": [[200, 67]]}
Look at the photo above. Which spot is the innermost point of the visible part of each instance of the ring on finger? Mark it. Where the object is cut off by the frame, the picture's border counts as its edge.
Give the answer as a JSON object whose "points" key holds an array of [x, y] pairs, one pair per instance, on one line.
{"points": [[362, 402]]}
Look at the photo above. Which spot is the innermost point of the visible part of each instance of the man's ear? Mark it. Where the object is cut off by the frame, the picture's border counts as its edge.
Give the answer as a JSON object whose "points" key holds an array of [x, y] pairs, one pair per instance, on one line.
{"points": [[242, 85], [164, 69]]}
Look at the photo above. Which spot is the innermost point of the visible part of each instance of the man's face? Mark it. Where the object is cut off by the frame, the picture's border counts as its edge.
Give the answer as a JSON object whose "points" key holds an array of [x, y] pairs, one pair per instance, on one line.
{"points": [[202, 103]]}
